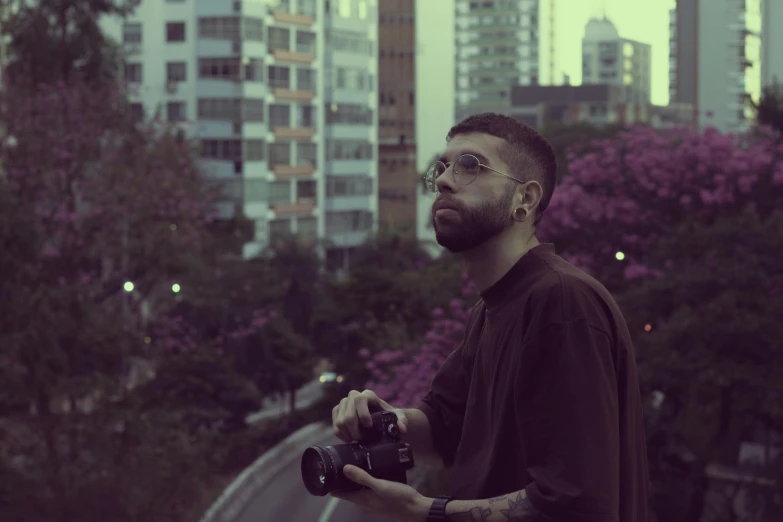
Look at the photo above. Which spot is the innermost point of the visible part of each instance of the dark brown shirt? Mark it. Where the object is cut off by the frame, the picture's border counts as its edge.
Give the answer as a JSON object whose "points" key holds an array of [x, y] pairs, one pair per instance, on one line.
{"points": [[543, 394]]}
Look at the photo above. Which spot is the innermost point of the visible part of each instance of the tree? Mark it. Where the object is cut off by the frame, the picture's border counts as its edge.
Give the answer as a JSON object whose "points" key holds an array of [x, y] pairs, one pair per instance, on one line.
{"points": [[769, 110], [61, 40], [101, 217], [569, 141]]}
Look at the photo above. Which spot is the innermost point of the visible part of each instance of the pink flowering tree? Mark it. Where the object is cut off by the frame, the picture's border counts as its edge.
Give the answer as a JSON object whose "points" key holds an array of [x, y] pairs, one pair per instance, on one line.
{"points": [[402, 376]]}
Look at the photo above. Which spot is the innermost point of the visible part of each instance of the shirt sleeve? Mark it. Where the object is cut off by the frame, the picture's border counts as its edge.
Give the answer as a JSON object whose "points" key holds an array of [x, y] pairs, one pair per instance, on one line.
{"points": [[444, 404], [567, 404]]}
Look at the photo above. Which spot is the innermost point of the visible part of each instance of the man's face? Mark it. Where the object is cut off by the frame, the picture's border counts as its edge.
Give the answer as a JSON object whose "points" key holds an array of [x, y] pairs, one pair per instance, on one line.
{"points": [[477, 211]]}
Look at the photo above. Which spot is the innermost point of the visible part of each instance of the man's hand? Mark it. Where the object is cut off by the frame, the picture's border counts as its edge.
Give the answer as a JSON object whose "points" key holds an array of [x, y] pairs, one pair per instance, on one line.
{"points": [[385, 498]]}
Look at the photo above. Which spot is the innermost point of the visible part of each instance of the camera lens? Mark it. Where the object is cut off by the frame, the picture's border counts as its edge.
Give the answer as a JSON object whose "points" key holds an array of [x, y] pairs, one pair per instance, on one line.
{"points": [[322, 468]]}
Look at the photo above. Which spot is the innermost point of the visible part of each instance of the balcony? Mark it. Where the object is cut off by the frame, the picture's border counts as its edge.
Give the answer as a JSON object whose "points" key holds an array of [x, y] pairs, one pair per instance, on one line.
{"points": [[301, 207], [293, 132], [291, 18], [293, 95], [282, 55], [283, 171]]}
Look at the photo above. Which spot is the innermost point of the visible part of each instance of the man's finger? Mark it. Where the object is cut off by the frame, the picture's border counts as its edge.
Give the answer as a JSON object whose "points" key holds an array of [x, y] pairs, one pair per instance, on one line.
{"points": [[360, 476]]}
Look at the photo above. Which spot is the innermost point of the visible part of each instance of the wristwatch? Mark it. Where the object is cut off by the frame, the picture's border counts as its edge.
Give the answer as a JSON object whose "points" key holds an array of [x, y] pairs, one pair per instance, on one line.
{"points": [[438, 509]]}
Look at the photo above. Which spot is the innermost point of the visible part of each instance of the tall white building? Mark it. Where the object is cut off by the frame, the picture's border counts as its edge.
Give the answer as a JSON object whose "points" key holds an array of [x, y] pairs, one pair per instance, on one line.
{"points": [[609, 59], [498, 44], [715, 60], [771, 42], [280, 95]]}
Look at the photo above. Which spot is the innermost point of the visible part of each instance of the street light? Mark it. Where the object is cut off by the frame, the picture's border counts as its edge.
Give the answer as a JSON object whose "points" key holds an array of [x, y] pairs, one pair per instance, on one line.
{"points": [[619, 256], [175, 288], [128, 286]]}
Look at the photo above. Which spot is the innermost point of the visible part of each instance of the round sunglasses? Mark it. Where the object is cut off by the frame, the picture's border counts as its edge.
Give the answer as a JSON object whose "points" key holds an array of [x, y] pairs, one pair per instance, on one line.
{"points": [[464, 171]]}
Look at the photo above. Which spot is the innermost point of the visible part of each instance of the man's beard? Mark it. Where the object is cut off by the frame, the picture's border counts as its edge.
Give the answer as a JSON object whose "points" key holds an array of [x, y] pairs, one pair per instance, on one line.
{"points": [[476, 226]]}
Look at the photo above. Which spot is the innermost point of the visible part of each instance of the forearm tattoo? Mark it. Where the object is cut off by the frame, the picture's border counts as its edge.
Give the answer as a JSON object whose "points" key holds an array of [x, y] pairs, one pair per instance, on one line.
{"points": [[519, 510]]}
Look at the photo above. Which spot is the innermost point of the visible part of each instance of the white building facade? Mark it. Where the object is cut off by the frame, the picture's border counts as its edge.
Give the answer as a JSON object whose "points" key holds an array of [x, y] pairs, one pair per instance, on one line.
{"points": [[715, 61], [498, 44], [609, 59], [252, 82]]}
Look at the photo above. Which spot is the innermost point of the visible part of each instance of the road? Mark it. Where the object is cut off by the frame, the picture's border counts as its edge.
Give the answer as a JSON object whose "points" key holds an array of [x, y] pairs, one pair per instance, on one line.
{"points": [[287, 500], [305, 396]]}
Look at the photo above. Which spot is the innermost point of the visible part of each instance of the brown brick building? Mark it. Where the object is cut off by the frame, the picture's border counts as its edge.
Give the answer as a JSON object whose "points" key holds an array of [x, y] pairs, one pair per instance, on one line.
{"points": [[398, 179]]}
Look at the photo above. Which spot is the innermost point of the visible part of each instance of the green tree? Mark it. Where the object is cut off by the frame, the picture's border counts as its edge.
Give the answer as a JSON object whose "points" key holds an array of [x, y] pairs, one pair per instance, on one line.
{"points": [[769, 110], [61, 41]]}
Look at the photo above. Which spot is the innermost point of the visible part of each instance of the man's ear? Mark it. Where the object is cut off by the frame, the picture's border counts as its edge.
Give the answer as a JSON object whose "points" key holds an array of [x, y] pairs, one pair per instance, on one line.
{"points": [[529, 196]]}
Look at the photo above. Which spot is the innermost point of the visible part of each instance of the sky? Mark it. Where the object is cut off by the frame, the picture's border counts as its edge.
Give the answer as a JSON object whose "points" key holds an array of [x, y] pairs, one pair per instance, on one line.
{"points": [[646, 21]]}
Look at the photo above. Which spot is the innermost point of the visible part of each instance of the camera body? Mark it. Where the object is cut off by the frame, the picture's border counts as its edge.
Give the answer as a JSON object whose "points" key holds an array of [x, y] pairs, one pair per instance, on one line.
{"points": [[381, 453]]}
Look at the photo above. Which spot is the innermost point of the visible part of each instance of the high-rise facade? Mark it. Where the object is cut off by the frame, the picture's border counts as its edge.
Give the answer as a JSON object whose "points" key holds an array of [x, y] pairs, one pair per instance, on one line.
{"points": [[398, 177], [715, 63], [609, 59], [350, 138], [280, 95], [501, 43], [771, 42]]}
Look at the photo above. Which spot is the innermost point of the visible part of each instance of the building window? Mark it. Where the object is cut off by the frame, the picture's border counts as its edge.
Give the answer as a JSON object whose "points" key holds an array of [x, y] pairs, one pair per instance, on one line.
{"points": [[219, 68], [349, 186], [305, 42], [253, 28], [305, 116], [176, 71], [348, 221], [280, 192], [308, 8], [279, 116], [254, 70], [279, 77], [280, 153], [252, 109], [349, 150], [279, 39], [348, 114], [305, 80], [306, 189], [229, 149], [349, 42], [231, 109], [175, 32], [307, 227], [221, 27], [131, 33], [306, 153], [279, 229], [175, 111], [352, 79], [133, 72], [254, 150]]}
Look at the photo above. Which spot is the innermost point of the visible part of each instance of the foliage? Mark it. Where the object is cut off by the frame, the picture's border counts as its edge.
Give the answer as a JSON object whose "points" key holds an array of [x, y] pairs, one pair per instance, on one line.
{"points": [[769, 110], [61, 40]]}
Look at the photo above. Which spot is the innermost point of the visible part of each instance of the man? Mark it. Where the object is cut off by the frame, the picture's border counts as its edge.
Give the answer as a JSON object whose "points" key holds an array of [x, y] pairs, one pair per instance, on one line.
{"points": [[538, 412]]}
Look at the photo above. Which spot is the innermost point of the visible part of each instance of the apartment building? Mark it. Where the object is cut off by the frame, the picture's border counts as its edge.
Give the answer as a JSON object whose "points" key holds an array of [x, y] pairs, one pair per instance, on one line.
{"points": [[609, 59], [398, 177], [269, 89], [350, 137], [715, 60], [500, 43]]}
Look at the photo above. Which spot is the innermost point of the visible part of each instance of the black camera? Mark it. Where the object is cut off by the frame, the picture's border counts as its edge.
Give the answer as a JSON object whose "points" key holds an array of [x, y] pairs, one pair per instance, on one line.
{"points": [[380, 453]]}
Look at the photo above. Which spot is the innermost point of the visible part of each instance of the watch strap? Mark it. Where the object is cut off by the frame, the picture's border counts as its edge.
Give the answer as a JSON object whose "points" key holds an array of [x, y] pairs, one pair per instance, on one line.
{"points": [[438, 509]]}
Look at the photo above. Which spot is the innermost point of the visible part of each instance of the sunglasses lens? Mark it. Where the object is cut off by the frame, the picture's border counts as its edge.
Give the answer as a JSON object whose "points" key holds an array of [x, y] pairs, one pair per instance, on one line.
{"points": [[467, 168]]}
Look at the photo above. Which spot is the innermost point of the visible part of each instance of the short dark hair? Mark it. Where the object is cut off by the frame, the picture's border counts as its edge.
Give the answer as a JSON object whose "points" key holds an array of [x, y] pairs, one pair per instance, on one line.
{"points": [[524, 148]]}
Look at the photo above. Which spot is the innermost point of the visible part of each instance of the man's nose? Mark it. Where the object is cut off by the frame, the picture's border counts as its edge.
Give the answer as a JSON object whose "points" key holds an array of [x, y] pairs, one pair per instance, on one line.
{"points": [[445, 182]]}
